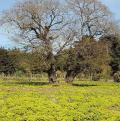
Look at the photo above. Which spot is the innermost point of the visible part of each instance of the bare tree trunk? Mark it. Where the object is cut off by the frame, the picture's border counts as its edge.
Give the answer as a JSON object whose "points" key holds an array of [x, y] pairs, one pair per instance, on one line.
{"points": [[70, 75], [52, 74]]}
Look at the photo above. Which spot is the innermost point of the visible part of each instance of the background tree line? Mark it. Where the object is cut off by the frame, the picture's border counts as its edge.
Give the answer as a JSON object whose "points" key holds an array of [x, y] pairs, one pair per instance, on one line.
{"points": [[88, 57]]}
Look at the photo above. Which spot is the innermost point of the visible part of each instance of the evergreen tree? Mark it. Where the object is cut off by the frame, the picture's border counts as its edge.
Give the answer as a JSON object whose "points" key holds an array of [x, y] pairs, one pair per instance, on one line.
{"points": [[6, 62]]}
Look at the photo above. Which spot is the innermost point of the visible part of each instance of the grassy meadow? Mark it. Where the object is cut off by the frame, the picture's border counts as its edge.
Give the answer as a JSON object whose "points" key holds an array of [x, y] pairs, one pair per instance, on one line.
{"points": [[39, 101]]}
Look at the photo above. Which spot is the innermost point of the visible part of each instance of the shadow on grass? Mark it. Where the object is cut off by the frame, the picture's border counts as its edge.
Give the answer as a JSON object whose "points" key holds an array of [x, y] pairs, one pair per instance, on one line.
{"points": [[33, 83], [84, 85]]}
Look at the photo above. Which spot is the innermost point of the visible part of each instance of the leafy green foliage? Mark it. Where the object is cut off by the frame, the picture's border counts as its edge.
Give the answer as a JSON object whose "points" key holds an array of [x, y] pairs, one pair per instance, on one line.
{"points": [[112, 43], [87, 57], [6, 62]]}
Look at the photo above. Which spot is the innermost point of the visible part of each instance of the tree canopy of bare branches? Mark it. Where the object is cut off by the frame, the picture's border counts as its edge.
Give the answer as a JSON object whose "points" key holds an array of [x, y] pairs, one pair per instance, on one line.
{"points": [[93, 17]]}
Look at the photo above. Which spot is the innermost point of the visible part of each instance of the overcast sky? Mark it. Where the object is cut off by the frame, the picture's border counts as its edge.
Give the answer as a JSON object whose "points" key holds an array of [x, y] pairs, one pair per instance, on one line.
{"points": [[113, 5]]}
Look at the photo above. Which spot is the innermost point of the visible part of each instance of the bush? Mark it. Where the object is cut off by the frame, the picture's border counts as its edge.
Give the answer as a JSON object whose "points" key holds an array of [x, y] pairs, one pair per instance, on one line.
{"points": [[96, 77], [116, 77]]}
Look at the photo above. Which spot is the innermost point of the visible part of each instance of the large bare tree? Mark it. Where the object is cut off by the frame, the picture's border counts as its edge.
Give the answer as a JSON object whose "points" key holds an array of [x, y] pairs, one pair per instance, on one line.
{"points": [[93, 17], [41, 25]]}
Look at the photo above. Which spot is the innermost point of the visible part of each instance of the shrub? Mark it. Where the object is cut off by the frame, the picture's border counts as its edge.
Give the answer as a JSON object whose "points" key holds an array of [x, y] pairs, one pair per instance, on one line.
{"points": [[116, 77], [96, 77]]}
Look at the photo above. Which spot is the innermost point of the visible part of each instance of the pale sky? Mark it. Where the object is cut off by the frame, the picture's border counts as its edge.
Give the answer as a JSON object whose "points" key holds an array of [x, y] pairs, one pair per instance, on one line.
{"points": [[113, 5]]}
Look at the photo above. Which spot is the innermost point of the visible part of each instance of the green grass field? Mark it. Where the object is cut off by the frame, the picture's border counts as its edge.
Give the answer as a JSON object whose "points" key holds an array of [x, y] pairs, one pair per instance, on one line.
{"points": [[39, 101]]}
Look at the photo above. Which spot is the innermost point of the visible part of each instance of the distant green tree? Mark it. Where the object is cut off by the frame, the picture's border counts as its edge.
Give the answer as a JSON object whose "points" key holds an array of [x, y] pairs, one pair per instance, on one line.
{"points": [[21, 60], [113, 44], [6, 62], [61, 59], [88, 57], [37, 63]]}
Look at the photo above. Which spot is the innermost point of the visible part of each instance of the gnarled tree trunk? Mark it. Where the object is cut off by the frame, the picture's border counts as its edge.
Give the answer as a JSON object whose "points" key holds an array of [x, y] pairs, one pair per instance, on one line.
{"points": [[71, 72], [70, 75], [52, 74]]}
